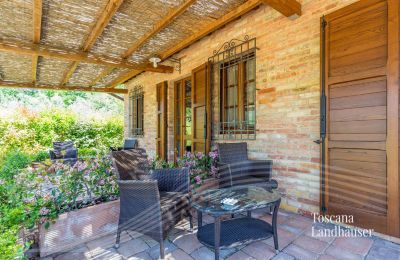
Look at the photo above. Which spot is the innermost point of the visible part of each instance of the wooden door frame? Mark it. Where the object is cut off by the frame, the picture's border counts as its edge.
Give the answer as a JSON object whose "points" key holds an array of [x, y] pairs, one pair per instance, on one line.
{"points": [[183, 137], [163, 135], [207, 138], [392, 76]]}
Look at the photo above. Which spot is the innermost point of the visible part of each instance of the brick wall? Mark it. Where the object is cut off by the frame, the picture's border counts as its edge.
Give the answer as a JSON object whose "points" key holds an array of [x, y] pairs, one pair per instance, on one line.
{"points": [[288, 67]]}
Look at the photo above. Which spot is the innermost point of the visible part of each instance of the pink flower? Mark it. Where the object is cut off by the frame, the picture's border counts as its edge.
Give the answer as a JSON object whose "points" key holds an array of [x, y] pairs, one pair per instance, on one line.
{"points": [[44, 211], [213, 155], [200, 155], [197, 179]]}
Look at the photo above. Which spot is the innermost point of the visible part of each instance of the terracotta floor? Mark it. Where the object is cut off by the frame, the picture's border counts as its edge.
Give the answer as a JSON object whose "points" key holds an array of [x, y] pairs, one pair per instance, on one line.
{"points": [[296, 241]]}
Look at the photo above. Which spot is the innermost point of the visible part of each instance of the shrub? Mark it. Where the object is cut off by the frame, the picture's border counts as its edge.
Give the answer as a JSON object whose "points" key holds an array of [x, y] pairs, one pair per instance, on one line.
{"points": [[201, 166], [55, 188], [12, 162]]}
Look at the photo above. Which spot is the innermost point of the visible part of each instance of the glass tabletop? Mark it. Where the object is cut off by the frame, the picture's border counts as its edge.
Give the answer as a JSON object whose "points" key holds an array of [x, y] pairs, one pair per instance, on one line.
{"points": [[244, 198]]}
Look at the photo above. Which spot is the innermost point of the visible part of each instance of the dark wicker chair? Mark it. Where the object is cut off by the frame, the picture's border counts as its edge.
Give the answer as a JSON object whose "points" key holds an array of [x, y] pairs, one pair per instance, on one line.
{"points": [[129, 143], [65, 151], [152, 203], [235, 168]]}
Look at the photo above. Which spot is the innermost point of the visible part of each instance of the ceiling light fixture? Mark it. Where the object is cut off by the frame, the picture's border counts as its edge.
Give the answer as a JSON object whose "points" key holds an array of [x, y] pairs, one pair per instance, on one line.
{"points": [[155, 59]]}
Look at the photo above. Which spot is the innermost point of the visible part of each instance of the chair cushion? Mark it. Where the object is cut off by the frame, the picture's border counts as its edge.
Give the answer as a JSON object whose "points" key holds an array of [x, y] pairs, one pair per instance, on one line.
{"points": [[174, 207]]}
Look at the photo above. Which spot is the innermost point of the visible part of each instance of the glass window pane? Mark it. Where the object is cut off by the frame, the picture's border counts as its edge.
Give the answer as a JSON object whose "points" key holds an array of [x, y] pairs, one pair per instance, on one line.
{"points": [[251, 69], [232, 74]]}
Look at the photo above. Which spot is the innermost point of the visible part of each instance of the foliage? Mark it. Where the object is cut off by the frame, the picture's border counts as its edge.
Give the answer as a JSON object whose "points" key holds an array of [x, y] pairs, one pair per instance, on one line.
{"points": [[34, 133], [51, 189], [201, 166], [37, 195], [30, 121]]}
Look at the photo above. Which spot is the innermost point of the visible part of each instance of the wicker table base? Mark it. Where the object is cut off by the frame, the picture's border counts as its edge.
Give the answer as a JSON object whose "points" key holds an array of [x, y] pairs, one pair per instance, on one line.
{"points": [[234, 232]]}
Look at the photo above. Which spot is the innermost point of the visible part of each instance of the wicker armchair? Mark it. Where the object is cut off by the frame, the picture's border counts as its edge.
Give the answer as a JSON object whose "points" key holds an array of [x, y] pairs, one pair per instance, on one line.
{"points": [[65, 151], [153, 203], [235, 168]]}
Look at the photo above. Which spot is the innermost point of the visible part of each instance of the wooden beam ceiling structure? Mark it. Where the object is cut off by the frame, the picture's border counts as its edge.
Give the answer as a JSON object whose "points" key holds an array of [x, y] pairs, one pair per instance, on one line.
{"points": [[217, 24], [10, 84], [139, 43], [285, 7], [108, 12], [37, 29], [158, 27], [70, 55]]}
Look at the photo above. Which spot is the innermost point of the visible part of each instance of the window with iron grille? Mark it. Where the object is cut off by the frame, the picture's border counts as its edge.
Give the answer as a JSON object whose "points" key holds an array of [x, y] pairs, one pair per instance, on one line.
{"points": [[234, 85], [136, 111]]}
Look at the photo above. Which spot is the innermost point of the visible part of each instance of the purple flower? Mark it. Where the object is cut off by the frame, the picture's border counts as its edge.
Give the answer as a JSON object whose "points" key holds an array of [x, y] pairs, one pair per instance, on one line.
{"points": [[44, 211], [101, 182], [200, 155], [213, 155], [197, 179], [80, 166]]}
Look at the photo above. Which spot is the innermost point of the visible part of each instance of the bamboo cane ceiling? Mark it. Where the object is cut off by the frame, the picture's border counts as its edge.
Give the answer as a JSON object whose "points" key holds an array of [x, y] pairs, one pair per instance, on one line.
{"points": [[67, 26]]}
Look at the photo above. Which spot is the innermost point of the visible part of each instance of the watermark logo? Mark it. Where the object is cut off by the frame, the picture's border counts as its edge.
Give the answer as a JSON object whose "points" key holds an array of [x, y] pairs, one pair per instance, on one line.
{"points": [[337, 230]]}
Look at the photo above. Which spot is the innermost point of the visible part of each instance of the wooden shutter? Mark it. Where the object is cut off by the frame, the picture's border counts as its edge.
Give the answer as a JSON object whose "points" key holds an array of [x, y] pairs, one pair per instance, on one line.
{"points": [[201, 109], [161, 139], [362, 115]]}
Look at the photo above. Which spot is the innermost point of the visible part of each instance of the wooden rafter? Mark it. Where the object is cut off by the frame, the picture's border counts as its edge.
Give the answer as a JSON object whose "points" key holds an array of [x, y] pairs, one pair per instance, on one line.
{"points": [[37, 29], [124, 77], [139, 43], [45, 51], [109, 10], [158, 27], [9, 84], [232, 15], [101, 75], [285, 7]]}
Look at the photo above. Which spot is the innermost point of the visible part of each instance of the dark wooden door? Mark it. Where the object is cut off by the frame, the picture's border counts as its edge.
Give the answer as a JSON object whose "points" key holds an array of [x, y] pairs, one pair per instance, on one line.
{"points": [[161, 139], [359, 160], [201, 109]]}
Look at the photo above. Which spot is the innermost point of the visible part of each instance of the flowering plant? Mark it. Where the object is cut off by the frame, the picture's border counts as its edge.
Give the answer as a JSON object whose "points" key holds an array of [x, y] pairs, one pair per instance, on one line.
{"points": [[54, 188], [201, 166]]}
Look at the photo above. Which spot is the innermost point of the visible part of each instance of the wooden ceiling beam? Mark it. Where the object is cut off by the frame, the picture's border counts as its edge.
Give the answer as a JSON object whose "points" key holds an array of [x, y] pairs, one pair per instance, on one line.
{"points": [[101, 75], [232, 15], [285, 7], [63, 54], [229, 17], [37, 29], [9, 84], [108, 12], [124, 77], [159, 26]]}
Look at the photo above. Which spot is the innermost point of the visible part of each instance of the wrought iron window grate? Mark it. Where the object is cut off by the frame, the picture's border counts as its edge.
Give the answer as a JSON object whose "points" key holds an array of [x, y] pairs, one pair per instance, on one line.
{"points": [[136, 97], [233, 87]]}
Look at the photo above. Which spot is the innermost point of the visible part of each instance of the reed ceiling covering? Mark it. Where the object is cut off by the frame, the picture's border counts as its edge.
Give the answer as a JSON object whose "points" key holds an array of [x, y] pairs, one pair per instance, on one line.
{"points": [[96, 45]]}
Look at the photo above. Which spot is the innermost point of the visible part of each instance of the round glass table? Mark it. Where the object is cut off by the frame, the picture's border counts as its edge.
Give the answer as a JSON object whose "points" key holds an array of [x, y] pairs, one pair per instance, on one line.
{"points": [[237, 230]]}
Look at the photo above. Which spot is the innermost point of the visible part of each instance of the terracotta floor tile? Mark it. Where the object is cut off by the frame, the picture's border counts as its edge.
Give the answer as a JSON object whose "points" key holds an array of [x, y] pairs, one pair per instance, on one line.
{"points": [[240, 256], [356, 245], [311, 244], [341, 253], [300, 253], [259, 250]]}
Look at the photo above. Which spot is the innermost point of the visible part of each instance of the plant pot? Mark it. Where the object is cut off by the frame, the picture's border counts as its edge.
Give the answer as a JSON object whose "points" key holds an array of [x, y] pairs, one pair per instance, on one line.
{"points": [[76, 227]]}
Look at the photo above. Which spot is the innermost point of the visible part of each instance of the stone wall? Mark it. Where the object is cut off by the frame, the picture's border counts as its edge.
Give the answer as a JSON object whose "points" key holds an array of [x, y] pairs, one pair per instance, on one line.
{"points": [[288, 75]]}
